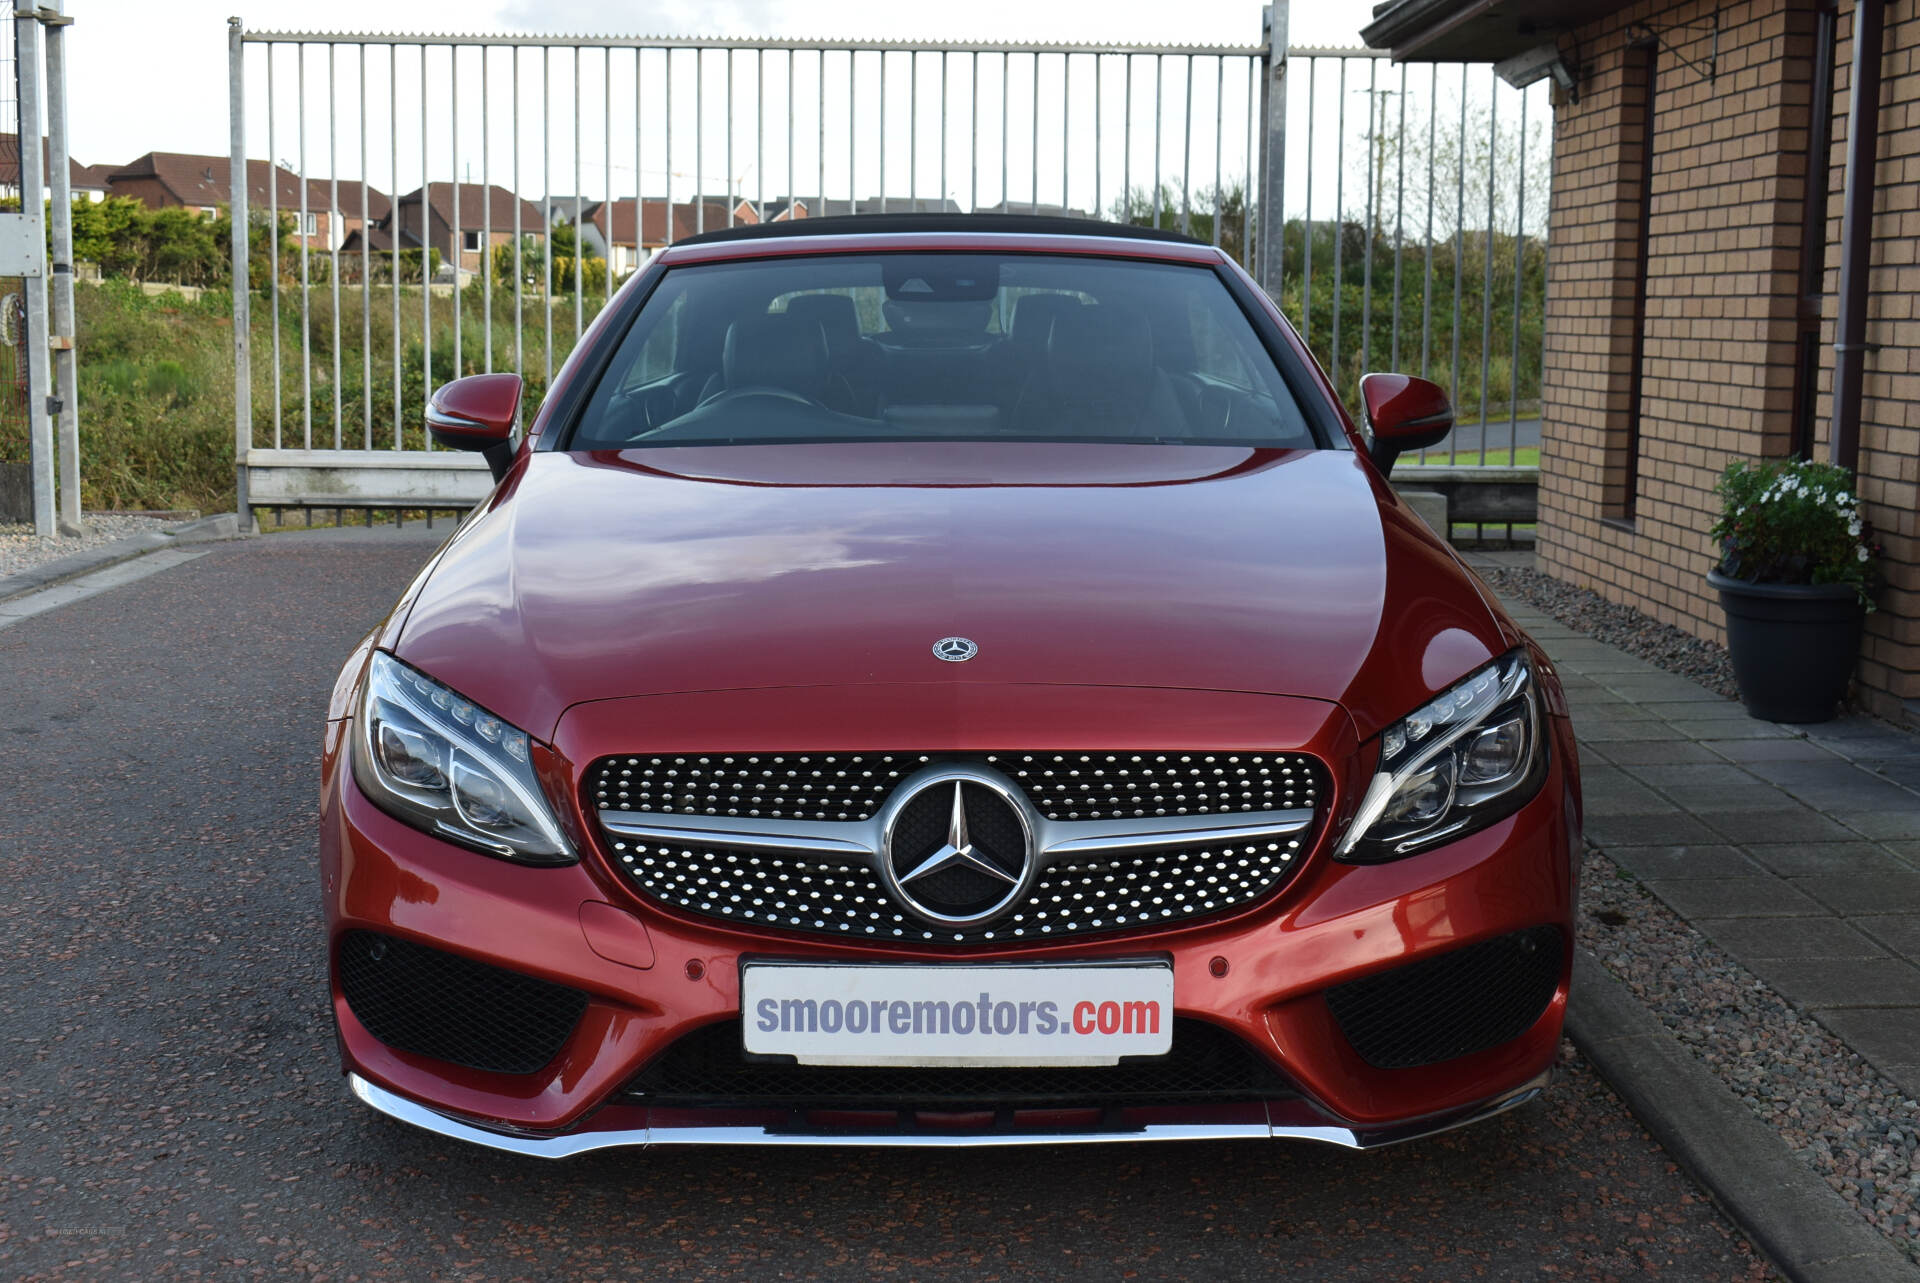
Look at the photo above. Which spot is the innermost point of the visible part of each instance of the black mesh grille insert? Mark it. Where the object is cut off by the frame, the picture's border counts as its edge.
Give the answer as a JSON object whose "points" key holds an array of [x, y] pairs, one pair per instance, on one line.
{"points": [[708, 1068], [451, 1008], [853, 786], [1451, 1005], [1103, 892]]}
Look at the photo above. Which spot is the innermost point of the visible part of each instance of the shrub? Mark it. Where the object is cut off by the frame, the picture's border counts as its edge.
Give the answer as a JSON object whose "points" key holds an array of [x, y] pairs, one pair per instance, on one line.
{"points": [[170, 381], [1792, 521]]}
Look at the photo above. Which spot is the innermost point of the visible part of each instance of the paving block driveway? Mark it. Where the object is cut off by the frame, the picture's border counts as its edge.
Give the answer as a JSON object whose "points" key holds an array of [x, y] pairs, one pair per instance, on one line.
{"points": [[171, 1105]]}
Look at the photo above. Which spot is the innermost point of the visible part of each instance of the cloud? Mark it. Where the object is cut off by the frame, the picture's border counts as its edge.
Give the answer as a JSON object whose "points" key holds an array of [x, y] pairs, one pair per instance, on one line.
{"points": [[986, 20]]}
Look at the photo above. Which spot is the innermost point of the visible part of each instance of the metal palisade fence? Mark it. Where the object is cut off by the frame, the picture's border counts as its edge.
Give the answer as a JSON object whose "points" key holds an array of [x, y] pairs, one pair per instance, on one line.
{"points": [[418, 207], [39, 405]]}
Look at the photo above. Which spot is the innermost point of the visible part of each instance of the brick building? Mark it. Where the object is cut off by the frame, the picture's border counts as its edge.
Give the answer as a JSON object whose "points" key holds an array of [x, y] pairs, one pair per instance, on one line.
{"points": [[1697, 281], [87, 182], [608, 226], [486, 215], [164, 179]]}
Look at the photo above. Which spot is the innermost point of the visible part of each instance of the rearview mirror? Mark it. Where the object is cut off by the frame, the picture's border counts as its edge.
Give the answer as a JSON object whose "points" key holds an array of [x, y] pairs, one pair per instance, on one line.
{"points": [[1403, 413], [477, 413]]}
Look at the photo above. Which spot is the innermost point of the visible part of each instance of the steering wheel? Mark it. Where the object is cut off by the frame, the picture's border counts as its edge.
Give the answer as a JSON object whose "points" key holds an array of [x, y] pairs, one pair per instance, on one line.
{"points": [[766, 393]]}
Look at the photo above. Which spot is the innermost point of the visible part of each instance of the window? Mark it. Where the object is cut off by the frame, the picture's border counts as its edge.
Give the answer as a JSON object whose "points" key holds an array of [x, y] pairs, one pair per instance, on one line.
{"points": [[470, 241], [311, 227], [1215, 354], [1622, 483], [1813, 234], [655, 360], [958, 346]]}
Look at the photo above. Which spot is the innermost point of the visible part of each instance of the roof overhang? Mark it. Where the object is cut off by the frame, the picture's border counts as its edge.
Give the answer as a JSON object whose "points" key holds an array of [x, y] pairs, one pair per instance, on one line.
{"points": [[1476, 30]]}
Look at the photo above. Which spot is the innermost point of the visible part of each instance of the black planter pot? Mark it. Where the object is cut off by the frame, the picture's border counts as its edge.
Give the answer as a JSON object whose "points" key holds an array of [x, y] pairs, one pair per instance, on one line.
{"points": [[1793, 645]]}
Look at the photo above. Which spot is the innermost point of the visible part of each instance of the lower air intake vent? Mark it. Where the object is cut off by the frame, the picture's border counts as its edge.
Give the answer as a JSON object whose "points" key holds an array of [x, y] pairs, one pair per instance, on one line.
{"points": [[707, 1068], [1451, 1005], [450, 1008]]}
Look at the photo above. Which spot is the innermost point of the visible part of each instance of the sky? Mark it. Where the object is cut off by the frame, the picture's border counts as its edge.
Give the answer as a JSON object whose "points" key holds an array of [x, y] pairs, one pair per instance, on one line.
{"points": [[149, 77], [154, 77]]}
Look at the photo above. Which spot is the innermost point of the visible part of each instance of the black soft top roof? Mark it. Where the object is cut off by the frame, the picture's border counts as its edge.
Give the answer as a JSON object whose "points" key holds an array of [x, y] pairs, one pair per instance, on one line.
{"points": [[872, 224]]}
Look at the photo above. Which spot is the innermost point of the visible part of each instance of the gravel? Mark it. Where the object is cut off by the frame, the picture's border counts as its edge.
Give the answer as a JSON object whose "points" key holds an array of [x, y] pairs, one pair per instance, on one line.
{"points": [[21, 549], [1854, 1128], [1641, 636]]}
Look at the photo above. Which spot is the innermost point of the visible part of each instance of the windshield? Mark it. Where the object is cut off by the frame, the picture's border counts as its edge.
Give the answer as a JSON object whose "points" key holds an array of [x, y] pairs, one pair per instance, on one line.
{"points": [[954, 346]]}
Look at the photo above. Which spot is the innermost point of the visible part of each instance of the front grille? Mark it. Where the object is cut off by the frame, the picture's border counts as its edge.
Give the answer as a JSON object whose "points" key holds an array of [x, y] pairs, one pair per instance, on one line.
{"points": [[1451, 1005], [451, 1008], [707, 1068], [1098, 892], [853, 786], [1105, 892]]}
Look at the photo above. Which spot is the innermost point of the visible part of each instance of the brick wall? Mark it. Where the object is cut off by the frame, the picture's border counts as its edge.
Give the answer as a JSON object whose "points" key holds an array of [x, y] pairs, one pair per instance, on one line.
{"points": [[1722, 274], [1890, 412]]}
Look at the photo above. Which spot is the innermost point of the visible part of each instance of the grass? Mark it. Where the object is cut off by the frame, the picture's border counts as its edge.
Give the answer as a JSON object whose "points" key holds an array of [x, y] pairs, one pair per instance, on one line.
{"points": [[1527, 456], [156, 399], [156, 381]]}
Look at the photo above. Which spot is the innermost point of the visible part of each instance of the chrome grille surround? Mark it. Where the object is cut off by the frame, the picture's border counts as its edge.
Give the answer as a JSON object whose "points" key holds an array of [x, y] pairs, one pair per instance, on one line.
{"points": [[853, 786], [1096, 875]]}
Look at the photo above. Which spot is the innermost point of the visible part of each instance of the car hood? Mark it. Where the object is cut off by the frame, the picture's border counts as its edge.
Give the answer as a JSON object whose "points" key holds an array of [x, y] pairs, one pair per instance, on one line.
{"points": [[607, 575]]}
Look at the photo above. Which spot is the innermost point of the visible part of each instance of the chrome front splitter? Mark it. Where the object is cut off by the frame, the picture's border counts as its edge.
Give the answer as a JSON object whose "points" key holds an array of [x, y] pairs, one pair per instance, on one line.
{"points": [[585, 1141]]}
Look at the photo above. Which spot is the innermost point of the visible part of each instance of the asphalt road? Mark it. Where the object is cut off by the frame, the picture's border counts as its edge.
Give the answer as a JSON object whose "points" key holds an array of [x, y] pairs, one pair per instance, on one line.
{"points": [[171, 1106]]}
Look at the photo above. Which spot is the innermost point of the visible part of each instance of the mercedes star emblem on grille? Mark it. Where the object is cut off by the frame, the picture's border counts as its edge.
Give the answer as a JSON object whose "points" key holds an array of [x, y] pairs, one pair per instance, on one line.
{"points": [[958, 846], [955, 650]]}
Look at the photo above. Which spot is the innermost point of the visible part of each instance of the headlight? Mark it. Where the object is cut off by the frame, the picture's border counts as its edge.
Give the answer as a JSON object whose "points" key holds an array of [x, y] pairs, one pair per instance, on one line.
{"points": [[448, 767], [1473, 755]]}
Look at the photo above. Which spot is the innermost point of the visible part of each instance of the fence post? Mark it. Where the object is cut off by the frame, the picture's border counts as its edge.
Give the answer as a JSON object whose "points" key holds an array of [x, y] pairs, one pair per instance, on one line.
{"points": [[26, 28], [237, 219], [1273, 151], [66, 373]]}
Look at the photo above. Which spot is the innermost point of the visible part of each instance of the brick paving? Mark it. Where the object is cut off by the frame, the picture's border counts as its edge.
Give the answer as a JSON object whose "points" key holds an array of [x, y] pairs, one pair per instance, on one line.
{"points": [[1794, 848]]}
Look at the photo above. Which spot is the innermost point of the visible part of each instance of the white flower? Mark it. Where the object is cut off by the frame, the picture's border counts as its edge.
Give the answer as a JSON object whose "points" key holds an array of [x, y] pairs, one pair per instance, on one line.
{"points": [[1862, 552], [1853, 527]]}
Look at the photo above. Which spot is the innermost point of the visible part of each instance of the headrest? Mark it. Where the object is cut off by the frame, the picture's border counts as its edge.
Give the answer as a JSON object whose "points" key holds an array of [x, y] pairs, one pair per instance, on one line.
{"points": [[1100, 353], [1033, 317], [835, 315], [778, 350]]}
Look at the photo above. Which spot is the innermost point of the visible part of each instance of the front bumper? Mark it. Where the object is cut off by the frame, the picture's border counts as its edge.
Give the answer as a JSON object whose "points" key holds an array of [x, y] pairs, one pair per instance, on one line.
{"points": [[653, 976], [620, 1127]]}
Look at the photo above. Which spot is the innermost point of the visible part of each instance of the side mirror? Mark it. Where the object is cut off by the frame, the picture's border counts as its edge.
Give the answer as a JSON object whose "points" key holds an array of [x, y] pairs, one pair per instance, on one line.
{"points": [[1404, 413], [477, 413]]}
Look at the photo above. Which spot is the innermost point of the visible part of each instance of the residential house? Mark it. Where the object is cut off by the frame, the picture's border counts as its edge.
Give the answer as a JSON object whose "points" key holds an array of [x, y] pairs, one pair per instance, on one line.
{"points": [[1033, 210], [1706, 190], [178, 179], [341, 221], [485, 219], [839, 207], [608, 228], [87, 182]]}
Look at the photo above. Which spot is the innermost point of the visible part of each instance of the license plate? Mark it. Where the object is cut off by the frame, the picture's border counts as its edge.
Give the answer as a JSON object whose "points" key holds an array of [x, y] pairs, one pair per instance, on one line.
{"points": [[1067, 1014]]}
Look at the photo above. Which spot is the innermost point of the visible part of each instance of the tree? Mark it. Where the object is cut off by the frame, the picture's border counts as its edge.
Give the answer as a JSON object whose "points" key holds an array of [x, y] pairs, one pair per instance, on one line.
{"points": [[533, 262], [1473, 157], [1228, 204]]}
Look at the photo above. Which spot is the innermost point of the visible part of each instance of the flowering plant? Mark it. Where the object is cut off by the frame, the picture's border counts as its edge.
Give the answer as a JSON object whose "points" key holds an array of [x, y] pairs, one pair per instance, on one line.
{"points": [[1792, 521]]}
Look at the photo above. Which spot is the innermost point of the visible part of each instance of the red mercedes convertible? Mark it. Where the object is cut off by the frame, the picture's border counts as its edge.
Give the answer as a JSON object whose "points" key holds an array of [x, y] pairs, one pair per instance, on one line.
{"points": [[945, 681]]}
